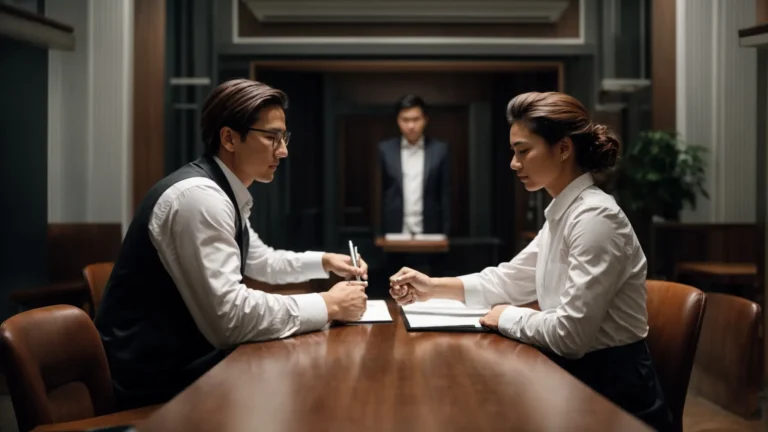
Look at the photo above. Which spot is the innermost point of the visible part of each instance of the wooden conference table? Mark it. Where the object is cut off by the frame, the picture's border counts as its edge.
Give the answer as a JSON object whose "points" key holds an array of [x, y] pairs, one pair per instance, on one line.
{"points": [[379, 377]]}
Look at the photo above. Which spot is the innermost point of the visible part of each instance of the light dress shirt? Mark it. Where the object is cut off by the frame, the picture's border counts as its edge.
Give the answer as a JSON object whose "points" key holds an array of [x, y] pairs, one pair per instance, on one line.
{"points": [[412, 162], [193, 229], [587, 271]]}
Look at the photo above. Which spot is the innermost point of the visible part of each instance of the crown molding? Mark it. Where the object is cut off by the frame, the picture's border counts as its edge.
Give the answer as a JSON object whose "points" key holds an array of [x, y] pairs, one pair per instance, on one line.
{"points": [[756, 36], [36, 29]]}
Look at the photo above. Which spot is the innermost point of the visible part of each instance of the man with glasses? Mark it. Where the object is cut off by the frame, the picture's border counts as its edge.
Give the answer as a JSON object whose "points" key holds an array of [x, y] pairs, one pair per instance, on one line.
{"points": [[175, 304]]}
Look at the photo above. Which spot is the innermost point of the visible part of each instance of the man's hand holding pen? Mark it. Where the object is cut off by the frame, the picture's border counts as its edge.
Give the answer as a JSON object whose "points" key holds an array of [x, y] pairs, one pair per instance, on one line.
{"points": [[342, 265]]}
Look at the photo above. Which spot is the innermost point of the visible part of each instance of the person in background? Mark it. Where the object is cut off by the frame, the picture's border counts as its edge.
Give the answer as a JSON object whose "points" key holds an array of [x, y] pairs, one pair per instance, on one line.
{"points": [[415, 186], [175, 304], [577, 291]]}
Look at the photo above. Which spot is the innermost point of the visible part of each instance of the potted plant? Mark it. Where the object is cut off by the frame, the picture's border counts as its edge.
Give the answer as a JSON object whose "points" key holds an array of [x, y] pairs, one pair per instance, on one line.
{"points": [[658, 176]]}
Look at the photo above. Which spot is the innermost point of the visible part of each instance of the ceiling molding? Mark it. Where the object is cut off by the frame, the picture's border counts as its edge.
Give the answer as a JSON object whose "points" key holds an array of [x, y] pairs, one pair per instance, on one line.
{"points": [[755, 41], [756, 36], [408, 11], [36, 29]]}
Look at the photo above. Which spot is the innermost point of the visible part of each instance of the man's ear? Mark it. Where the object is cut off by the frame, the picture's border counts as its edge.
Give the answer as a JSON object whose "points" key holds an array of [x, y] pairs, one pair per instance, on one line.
{"points": [[228, 138], [565, 147]]}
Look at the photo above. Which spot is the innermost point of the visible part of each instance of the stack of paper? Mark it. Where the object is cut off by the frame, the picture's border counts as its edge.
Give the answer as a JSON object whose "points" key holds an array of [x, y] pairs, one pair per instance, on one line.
{"points": [[398, 237], [442, 315], [430, 237]]}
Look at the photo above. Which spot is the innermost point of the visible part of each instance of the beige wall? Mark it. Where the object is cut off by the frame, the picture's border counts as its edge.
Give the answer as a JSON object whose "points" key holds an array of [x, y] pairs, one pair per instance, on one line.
{"points": [[716, 104], [89, 114]]}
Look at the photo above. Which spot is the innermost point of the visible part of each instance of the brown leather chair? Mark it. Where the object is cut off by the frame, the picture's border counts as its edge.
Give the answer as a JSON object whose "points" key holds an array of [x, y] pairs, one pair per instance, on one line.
{"points": [[55, 366], [728, 369], [675, 314], [96, 276]]}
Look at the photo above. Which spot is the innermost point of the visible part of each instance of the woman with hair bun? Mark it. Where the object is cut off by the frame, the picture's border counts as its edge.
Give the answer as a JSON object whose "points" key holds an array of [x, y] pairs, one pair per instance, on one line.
{"points": [[577, 291]]}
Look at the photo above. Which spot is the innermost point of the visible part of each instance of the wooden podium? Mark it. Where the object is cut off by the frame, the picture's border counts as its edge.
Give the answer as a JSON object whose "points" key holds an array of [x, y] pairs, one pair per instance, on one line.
{"points": [[413, 245]]}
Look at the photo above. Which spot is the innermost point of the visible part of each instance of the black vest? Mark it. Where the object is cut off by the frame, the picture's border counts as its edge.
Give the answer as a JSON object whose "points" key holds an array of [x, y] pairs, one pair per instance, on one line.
{"points": [[153, 345]]}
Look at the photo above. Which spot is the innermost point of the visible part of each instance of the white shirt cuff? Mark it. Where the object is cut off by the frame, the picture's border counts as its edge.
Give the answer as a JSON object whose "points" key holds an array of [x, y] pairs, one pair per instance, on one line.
{"points": [[511, 320], [313, 314], [312, 265], [473, 291]]}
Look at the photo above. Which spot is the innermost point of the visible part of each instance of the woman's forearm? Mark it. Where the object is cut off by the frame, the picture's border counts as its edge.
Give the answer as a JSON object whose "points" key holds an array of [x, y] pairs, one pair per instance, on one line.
{"points": [[448, 288], [453, 288]]}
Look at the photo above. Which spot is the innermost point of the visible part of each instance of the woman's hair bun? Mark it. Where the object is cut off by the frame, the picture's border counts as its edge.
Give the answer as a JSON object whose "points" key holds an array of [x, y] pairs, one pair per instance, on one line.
{"points": [[554, 116], [602, 151]]}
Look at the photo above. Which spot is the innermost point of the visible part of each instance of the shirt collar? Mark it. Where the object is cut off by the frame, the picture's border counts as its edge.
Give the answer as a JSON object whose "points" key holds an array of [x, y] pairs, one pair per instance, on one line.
{"points": [[405, 144], [558, 205], [242, 195]]}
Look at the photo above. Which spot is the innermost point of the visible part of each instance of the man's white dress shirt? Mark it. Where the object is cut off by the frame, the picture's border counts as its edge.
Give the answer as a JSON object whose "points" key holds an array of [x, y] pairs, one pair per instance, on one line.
{"points": [[587, 271], [412, 163], [193, 229]]}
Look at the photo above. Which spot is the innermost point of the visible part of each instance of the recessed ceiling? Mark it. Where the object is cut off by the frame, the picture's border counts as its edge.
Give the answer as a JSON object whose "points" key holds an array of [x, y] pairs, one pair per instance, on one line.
{"points": [[407, 11]]}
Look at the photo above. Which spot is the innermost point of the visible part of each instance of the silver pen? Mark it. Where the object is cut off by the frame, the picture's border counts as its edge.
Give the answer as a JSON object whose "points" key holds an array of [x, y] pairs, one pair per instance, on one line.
{"points": [[353, 254], [356, 257]]}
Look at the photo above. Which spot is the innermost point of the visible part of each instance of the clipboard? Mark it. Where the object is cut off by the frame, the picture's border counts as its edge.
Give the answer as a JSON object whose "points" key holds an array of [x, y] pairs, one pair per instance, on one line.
{"points": [[442, 328]]}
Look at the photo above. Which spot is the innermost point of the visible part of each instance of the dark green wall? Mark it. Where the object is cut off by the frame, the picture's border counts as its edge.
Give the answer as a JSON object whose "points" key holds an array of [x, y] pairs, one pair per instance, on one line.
{"points": [[23, 166]]}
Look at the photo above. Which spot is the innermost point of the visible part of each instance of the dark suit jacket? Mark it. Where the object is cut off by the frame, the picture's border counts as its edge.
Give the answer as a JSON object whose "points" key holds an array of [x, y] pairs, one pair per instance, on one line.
{"points": [[437, 208]]}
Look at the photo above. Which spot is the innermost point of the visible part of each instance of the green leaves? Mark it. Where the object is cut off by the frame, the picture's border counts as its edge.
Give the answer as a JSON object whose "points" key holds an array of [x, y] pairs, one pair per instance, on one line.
{"points": [[660, 174]]}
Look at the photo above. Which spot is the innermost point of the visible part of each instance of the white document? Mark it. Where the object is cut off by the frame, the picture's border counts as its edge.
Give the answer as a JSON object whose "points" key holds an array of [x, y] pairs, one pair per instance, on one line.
{"points": [[432, 321], [376, 312], [430, 237], [442, 313], [398, 237]]}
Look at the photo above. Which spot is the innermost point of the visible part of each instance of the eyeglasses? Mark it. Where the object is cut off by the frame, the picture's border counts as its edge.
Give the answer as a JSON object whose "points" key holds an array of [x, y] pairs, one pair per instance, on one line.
{"points": [[277, 137]]}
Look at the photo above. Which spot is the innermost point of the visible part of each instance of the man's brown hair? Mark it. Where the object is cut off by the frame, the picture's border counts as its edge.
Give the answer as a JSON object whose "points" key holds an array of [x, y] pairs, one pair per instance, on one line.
{"points": [[236, 104]]}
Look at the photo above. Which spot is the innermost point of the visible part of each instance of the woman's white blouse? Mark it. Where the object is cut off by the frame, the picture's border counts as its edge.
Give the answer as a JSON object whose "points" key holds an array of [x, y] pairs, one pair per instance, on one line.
{"points": [[586, 269]]}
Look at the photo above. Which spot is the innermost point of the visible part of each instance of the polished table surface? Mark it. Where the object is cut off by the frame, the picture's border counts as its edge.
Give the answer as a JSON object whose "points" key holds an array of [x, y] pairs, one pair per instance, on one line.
{"points": [[379, 377]]}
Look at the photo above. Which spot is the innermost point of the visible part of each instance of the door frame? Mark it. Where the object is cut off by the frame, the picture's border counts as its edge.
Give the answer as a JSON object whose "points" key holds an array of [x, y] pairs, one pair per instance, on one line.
{"points": [[331, 216]]}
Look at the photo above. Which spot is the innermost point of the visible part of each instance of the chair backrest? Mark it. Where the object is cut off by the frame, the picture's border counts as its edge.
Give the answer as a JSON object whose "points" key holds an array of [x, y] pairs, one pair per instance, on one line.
{"points": [[96, 276], [55, 366], [728, 369], [675, 314]]}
